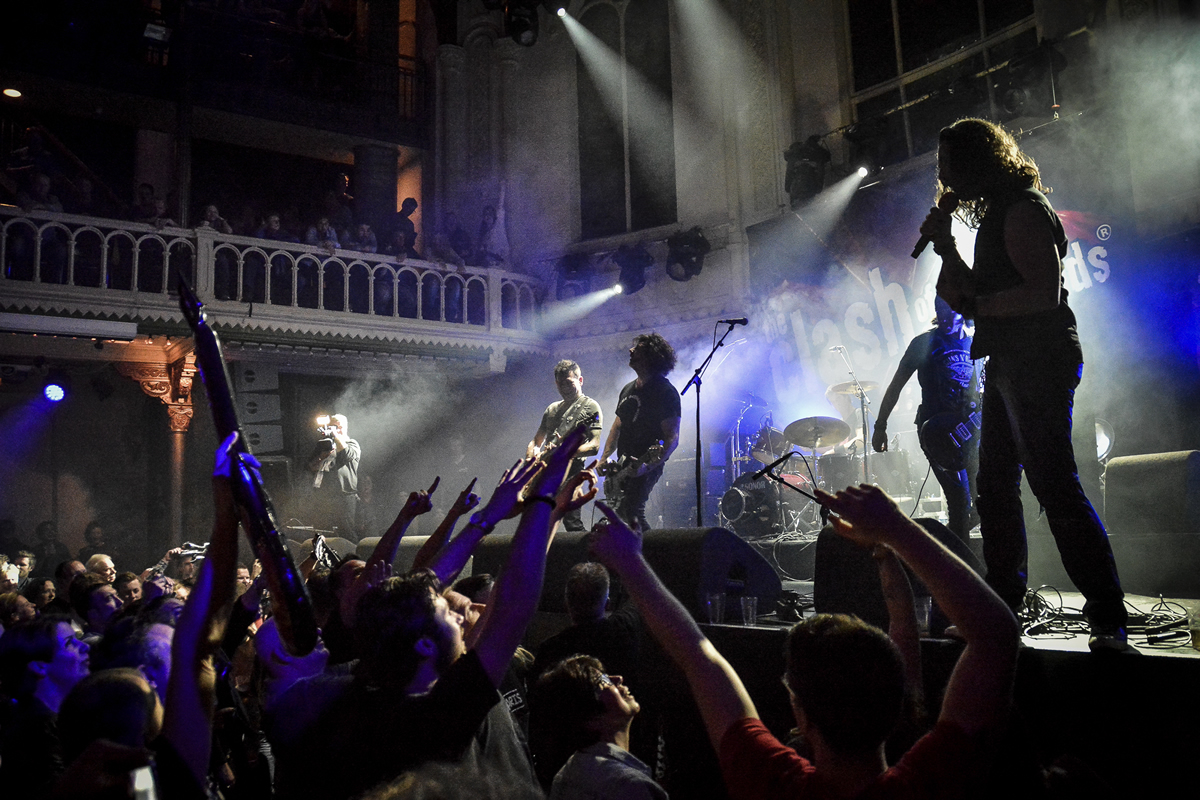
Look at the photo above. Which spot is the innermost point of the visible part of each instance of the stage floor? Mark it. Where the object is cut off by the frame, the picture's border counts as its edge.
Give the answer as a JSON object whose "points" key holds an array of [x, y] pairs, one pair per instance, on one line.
{"points": [[1068, 632]]}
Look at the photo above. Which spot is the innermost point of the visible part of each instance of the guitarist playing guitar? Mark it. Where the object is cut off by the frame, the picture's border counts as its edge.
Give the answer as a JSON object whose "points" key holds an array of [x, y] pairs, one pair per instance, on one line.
{"points": [[645, 431], [560, 418], [948, 417]]}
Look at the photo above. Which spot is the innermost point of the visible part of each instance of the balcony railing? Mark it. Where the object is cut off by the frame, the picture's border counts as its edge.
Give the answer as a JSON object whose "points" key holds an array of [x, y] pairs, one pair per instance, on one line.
{"points": [[75, 264]]}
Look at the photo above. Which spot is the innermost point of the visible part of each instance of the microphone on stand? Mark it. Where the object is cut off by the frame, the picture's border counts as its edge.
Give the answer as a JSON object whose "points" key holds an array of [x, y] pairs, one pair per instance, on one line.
{"points": [[949, 204], [737, 321], [772, 465]]}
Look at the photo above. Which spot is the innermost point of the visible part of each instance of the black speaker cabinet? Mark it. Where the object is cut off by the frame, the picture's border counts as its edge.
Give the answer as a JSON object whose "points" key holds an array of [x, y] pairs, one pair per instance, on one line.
{"points": [[692, 562], [1155, 493]]}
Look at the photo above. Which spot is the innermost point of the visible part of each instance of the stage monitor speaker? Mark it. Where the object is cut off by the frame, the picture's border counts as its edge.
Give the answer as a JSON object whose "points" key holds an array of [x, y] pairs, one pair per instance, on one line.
{"points": [[692, 562], [1155, 493], [846, 578]]}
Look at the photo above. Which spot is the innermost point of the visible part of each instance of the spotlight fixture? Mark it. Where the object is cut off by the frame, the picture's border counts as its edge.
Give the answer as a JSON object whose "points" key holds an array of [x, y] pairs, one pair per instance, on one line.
{"points": [[57, 386], [868, 140], [521, 21], [633, 261], [562, 11], [13, 93], [574, 276], [685, 254]]}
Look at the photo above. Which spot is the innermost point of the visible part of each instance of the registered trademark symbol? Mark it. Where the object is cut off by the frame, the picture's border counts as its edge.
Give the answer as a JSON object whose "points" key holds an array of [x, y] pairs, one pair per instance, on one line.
{"points": [[1103, 232]]}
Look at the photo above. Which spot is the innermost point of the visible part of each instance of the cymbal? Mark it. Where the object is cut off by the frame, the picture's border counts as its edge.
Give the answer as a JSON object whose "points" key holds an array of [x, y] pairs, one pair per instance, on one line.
{"points": [[816, 431], [849, 387], [750, 399], [770, 445]]}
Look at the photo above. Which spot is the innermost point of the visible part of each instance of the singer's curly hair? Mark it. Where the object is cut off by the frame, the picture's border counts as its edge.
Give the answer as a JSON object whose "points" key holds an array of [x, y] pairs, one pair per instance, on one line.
{"points": [[660, 356], [990, 157]]}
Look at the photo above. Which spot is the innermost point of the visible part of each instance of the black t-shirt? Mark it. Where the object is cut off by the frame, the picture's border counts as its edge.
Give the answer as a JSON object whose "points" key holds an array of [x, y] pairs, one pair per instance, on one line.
{"points": [[945, 371], [368, 735], [561, 418], [642, 411]]}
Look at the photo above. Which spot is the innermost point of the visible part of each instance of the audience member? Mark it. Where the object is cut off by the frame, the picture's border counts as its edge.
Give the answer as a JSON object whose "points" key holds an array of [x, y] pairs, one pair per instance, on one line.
{"points": [[402, 224], [15, 608], [39, 197], [96, 602], [845, 678], [143, 208], [363, 240], [118, 705], [40, 592], [93, 535], [49, 551], [40, 662], [322, 235], [272, 229], [613, 639], [213, 219], [492, 244], [64, 575], [589, 714], [456, 237], [419, 692], [128, 587], [100, 564], [26, 561], [10, 543]]}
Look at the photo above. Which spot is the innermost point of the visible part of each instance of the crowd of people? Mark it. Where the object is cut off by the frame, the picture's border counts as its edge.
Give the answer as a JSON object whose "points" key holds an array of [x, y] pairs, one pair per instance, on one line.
{"points": [[419, 680]]}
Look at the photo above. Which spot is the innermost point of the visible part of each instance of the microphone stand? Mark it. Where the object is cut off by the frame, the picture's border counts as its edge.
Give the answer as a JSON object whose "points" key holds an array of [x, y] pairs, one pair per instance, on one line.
{"points": [[696, 380], [863, 403]]}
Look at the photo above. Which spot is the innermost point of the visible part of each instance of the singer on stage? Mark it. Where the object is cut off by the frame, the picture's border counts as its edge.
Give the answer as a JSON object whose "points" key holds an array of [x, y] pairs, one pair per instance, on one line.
{"points": [[647, 413], [1023, 325]]}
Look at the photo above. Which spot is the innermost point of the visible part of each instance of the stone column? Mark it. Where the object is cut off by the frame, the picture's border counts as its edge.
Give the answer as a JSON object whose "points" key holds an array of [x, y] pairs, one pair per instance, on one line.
{"points": [[172, 384]]}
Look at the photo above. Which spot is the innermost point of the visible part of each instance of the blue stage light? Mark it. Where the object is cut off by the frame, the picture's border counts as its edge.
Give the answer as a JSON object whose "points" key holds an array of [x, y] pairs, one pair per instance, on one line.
{"points": [[54, 393]]}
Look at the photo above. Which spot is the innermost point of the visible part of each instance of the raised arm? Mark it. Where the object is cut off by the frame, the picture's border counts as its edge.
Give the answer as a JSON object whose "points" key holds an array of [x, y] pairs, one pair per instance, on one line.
{"points": [[902, 617], [191, 689], [610, 444], [466, 501], [979, 692], [716, 687], [450, 560], [517, 589], [418, 503]]}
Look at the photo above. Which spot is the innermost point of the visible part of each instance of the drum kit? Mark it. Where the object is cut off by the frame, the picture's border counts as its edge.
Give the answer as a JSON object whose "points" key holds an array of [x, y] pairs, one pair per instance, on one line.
{"points": [[820, 452]]}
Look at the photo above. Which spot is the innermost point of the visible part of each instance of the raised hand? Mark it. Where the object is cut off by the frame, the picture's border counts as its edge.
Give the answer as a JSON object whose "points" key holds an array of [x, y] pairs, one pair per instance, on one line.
{"points": [[420, 502], [505, 499], [226, 456], [865, 514], [466, 501], [614, 542], [570, 497]]}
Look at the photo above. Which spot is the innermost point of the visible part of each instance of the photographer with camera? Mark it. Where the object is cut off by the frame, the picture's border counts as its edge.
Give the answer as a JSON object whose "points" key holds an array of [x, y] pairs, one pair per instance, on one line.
{"points": [[334, 464]]}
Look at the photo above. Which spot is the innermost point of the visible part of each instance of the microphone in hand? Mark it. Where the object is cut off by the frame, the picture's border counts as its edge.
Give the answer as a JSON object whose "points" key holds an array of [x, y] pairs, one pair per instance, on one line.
{"points": [[948, 204]]}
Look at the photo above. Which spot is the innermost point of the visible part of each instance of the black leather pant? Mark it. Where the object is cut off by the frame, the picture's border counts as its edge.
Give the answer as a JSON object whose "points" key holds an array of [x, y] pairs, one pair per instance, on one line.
{"points": [[1027, 423]]}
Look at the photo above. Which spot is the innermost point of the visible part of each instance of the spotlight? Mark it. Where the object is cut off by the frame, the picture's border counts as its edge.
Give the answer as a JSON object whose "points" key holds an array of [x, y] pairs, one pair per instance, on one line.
{"points": [[863, 172], [618, 289], [562, 12], [633, 260], [57, 386], [574, 275], [868, 140], [13, 93], [685, 254], [521, 21]]}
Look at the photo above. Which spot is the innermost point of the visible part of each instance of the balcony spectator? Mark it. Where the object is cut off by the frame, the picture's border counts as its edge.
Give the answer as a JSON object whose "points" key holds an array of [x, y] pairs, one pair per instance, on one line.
{"points": [[402, 225], [214, 220], [272, 230], [93, 534], [323, 235], [50, 552], [37, 197], [143, 209], [493, 237], [456, 236], [364, 240], [339, 205]]}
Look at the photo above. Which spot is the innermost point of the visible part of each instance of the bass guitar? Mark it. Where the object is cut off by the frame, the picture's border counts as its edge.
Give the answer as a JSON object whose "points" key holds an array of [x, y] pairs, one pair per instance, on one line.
{"points": [[617, 474]]}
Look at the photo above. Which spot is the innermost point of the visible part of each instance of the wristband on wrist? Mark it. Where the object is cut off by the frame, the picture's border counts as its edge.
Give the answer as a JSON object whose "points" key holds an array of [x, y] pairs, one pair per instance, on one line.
{"points": [[478, 521], [542, 498]]}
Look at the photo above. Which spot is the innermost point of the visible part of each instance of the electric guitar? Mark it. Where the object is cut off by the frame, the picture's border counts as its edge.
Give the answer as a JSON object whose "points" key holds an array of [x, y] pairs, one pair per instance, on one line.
{"points": [[944, 435], [618, 473]]}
